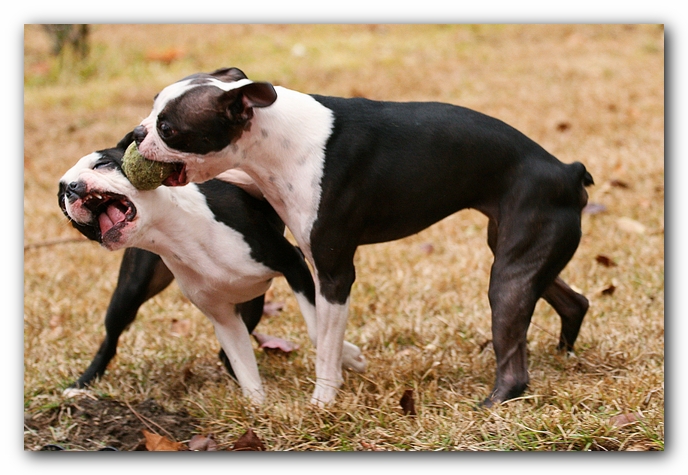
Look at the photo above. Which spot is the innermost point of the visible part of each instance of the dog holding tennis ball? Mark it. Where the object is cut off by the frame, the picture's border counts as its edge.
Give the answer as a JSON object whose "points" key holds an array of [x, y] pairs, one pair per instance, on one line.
{"points": [[144, 174], [223, 243]]}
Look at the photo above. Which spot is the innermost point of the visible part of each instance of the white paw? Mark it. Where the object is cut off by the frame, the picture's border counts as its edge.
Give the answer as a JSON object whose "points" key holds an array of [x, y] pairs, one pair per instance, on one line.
{"points": [[256, 397], [323, 394], [352, 358]]}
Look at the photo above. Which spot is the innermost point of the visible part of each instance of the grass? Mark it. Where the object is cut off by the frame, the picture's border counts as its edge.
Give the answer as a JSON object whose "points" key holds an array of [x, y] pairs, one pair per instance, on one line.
{"points": [[593, 93]]}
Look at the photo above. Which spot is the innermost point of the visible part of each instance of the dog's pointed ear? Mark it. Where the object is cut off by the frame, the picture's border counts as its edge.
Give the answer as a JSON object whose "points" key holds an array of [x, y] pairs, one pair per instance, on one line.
{"points": [[259, 94], [239, 102], [229, 74], [126, 141]]}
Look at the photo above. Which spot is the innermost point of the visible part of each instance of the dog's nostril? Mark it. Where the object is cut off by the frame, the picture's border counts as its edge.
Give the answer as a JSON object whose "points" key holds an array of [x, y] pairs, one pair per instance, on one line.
{"points": [[76, 188], [139, 134]]}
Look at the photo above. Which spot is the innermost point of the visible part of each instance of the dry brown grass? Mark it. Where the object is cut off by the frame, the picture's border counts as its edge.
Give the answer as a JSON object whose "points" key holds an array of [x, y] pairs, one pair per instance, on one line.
{"points": [[592, 93]]}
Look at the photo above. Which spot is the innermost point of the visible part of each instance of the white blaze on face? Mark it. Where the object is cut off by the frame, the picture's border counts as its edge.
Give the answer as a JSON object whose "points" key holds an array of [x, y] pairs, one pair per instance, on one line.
{"points": [[154, 148]]}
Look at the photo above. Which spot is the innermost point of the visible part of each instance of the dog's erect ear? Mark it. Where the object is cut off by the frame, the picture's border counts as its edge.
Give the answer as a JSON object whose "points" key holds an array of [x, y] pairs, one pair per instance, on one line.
{"points": [[259, 94], [229, 74], [239, 102], [126, 141]]}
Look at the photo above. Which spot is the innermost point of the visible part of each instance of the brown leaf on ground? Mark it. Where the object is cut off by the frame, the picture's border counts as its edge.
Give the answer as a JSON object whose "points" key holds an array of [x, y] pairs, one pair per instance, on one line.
{"points": [[180, 327], [605, 261], [273, 343], [272, 308], [249, 441], [201, 443], [608, 290], [407, 404], [624, 419], [370, 446], [563, 126], [619, 184], [165, 56], [158, 443], [427, 248]]}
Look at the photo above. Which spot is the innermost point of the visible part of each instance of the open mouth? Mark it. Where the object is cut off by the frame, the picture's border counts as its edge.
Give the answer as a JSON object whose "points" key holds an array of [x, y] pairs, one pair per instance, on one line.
{"points": [[177, 177], [110, 210]]}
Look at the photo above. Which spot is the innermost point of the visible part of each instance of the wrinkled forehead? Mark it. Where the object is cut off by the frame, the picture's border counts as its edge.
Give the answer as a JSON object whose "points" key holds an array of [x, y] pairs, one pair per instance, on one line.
{"points": [[173, 91], [84, 163]]}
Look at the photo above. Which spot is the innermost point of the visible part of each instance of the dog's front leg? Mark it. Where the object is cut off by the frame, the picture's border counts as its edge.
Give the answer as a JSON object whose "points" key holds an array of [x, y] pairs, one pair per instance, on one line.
{"points": [[331, 327], [235, 340], [333, 288]]}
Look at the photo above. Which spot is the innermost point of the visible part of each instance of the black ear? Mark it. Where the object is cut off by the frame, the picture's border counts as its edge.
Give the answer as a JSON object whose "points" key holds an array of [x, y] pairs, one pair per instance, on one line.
{"points": [[126, 141], [239, 102], [229, 74], [258, 94]]}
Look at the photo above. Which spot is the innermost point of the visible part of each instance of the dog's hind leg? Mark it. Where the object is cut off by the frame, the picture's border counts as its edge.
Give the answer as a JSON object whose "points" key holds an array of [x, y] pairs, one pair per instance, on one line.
{"points": [[526, 264], [571, 307], [251, 312], [235, 340], [569, 304], [142, 275]]}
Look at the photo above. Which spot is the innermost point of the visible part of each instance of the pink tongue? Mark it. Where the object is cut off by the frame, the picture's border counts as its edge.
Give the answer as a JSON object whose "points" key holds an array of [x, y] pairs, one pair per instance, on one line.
{"points": [[110, 218]]}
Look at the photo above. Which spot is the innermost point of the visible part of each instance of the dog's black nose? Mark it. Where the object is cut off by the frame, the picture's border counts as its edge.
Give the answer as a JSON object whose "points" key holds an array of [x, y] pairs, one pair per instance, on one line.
{"points": [[75, 190], [139, 134]]}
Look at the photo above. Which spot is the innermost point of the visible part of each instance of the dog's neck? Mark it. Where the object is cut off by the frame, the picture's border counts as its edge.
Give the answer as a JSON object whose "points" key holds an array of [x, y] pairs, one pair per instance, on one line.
{"points": [[169, 219], [283, 152]]}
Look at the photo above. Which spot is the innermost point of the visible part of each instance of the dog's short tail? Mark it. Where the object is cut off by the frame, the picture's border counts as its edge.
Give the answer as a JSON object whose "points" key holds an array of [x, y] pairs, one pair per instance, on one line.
{"points": [[582, 176]]}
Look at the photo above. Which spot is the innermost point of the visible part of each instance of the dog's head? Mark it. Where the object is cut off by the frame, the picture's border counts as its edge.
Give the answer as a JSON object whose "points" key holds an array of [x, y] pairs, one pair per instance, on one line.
{"points": [[100, 201], [199, 117]]}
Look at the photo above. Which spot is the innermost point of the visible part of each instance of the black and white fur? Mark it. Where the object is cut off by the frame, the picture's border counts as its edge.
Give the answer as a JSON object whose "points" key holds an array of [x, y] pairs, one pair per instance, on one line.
{"points": [[222, 245], [346, 172]]}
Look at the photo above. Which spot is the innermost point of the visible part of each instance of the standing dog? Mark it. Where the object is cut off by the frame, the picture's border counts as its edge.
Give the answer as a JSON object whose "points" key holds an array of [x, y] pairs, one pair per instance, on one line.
{"points": [[346, 172], [222, 245]]}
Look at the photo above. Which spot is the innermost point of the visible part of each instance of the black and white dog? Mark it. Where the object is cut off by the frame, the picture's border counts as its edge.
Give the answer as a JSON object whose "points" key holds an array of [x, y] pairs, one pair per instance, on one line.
{"points": [[222, 245], [346, 172]]}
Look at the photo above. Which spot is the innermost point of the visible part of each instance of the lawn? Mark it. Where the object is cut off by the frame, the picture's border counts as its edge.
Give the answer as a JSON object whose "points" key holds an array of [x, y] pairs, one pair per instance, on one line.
{"points": [[419, 311]]}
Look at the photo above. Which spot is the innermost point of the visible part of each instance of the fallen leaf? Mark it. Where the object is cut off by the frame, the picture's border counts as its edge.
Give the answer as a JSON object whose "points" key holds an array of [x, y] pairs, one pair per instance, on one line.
{"points": [[427, 248], [618, 183], [249, 441], [630, 225], [370, 446], [272, 308], [563, 126], [180, 327], [608, 290], [407, 404], [594, 208], [624, 419], [201, 443], [158, 443], [165, 56], [605, 261], [274, 343]]}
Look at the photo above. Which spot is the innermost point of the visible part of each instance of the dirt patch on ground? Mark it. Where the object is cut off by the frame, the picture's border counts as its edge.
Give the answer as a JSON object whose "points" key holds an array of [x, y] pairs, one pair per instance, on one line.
{"points": [[105, 424]]}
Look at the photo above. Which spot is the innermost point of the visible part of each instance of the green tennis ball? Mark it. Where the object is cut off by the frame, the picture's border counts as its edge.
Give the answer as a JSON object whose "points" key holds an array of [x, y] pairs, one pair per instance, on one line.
{"points": [[144, 174]]}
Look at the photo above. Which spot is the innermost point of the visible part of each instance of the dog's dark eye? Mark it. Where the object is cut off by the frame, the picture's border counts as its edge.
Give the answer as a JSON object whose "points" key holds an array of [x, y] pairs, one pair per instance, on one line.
{"points": [[165, 130]]}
